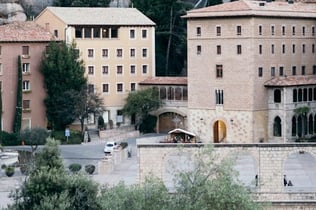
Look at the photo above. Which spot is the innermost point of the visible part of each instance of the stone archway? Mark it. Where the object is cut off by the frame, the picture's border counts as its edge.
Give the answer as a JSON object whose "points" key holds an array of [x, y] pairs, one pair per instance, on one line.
{"points": [[219, 130], [169, 121]]}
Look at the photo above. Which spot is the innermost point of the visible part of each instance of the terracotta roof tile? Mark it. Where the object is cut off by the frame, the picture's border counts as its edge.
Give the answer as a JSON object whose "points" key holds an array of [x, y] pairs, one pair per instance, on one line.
{"points": [[22, 31], [291, 81], [256, 8], [165, 81]]}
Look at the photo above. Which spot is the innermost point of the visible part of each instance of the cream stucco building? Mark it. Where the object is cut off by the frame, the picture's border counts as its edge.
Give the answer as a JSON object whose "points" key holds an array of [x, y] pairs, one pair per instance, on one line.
{"points": [[117, 46], [250, 65]]}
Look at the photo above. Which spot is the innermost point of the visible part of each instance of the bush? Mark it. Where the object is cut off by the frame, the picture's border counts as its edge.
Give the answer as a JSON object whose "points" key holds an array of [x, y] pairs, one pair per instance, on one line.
{"points": [[74, 167], [101, 124], [74, 138], [3, 166], [9, 139], [25, 158], [89, 168], [123, 145], [9, 171]]}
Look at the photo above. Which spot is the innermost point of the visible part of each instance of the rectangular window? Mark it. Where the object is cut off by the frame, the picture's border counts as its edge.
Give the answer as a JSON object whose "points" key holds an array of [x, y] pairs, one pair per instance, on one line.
{"points": [[314, 72], [313, 30], [198, 49], [238, 49], [119, 87], [293, 70], [260, 49], [0, 50], [26, 104], [283, 48], [198, 31], [78, 32], [91, 70], [119, 69], [303, 70], [133, 86], [303, 48], [119, 53], [272, 71], [272, 48], [105, 70], [0, 68], [145, 69], [260, 30], [272, 30], [303, 30], [313, 48], [26, 85], [218, 31], [132, 53], [293, 30], [144, 33], [218, 49], [105, 53], [133, 69], [144, 54], [56, 33], [219, 71], [219, 97], [25, 68], [90, 53], [260, 72], [25, 50], [96, 32], [87, 32], [283, 30], [114, 33], [132, 33], [90, 88], [281, 71], [238, 30], [293, 48], [105, 88]]}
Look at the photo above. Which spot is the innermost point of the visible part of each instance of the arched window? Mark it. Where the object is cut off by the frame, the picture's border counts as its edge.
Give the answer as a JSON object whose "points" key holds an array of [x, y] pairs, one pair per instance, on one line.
{"points": [[170, 93], [277, 128], [163, 93], [305, 94], [300, 95], [293, 126], [310, 124], [178, 93], [294, 95], [277, 96]]}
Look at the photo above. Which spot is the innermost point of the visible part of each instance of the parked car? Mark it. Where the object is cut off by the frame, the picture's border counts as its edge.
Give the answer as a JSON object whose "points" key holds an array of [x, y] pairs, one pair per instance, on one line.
{"points": [[110, 146]]}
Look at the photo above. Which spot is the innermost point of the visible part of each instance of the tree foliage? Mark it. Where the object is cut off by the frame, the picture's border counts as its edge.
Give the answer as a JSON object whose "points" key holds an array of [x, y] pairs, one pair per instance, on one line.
{"points": [[18, 108], [141, 103], [34, 137], [81, 3], [64, 79]]}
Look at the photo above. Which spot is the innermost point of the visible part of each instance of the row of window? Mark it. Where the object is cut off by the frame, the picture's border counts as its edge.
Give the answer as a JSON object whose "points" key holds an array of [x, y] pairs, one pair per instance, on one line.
{"points": [[281, 71], [303, 30], [106, 87], [299, 95], [173, 93], [25, 68], [105, 53], [301, 125], [260, 49], [105, 70], [105, 32]]}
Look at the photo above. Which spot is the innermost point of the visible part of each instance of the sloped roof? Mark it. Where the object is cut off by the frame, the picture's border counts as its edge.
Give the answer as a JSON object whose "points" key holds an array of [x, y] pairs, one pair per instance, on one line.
{"points": [[21, 31], [165, 81], [256, 8], [100, 16], [179, 130], [291, 81]]}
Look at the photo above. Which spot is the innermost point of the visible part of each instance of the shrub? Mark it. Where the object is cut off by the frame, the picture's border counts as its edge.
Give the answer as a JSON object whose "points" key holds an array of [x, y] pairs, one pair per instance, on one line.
{"points": [[3, 166], [74, 167], [25, 158], [89, 168], [101, 124], [9, 171], [9, 139], [74, 138], [123, 145]]}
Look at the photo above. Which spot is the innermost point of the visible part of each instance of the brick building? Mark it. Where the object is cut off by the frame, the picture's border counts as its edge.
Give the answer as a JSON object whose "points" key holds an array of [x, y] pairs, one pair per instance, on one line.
{"points": [[29, 41]]}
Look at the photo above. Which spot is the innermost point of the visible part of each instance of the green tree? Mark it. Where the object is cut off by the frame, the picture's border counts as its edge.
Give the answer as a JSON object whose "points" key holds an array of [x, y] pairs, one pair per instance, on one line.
{"points": [[0, 111], [170, 32], [81, 3], [64, 78], [49, 186], [141, 103], [18, 108], [34, 137]]}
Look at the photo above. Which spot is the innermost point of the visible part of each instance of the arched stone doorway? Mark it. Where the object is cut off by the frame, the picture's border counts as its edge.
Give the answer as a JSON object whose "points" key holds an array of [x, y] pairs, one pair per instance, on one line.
{"points": [[219, 130], [169, 121]]}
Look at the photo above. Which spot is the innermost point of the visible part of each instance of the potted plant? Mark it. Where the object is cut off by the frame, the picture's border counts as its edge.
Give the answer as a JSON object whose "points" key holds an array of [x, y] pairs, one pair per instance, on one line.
{"points": [[9, 171]]}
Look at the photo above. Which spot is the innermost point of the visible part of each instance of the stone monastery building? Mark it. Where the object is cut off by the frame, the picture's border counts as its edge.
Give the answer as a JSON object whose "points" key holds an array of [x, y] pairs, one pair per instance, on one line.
{"points": [[251, 64]]}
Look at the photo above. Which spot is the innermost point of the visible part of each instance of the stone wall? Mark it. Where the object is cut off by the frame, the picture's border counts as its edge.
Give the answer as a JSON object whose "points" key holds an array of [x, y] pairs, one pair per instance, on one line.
{"points": [[270, 158]]}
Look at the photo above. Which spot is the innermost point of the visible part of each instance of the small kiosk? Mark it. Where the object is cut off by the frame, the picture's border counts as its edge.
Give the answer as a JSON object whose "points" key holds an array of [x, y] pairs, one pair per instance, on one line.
{"points": [[179, 135]]}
